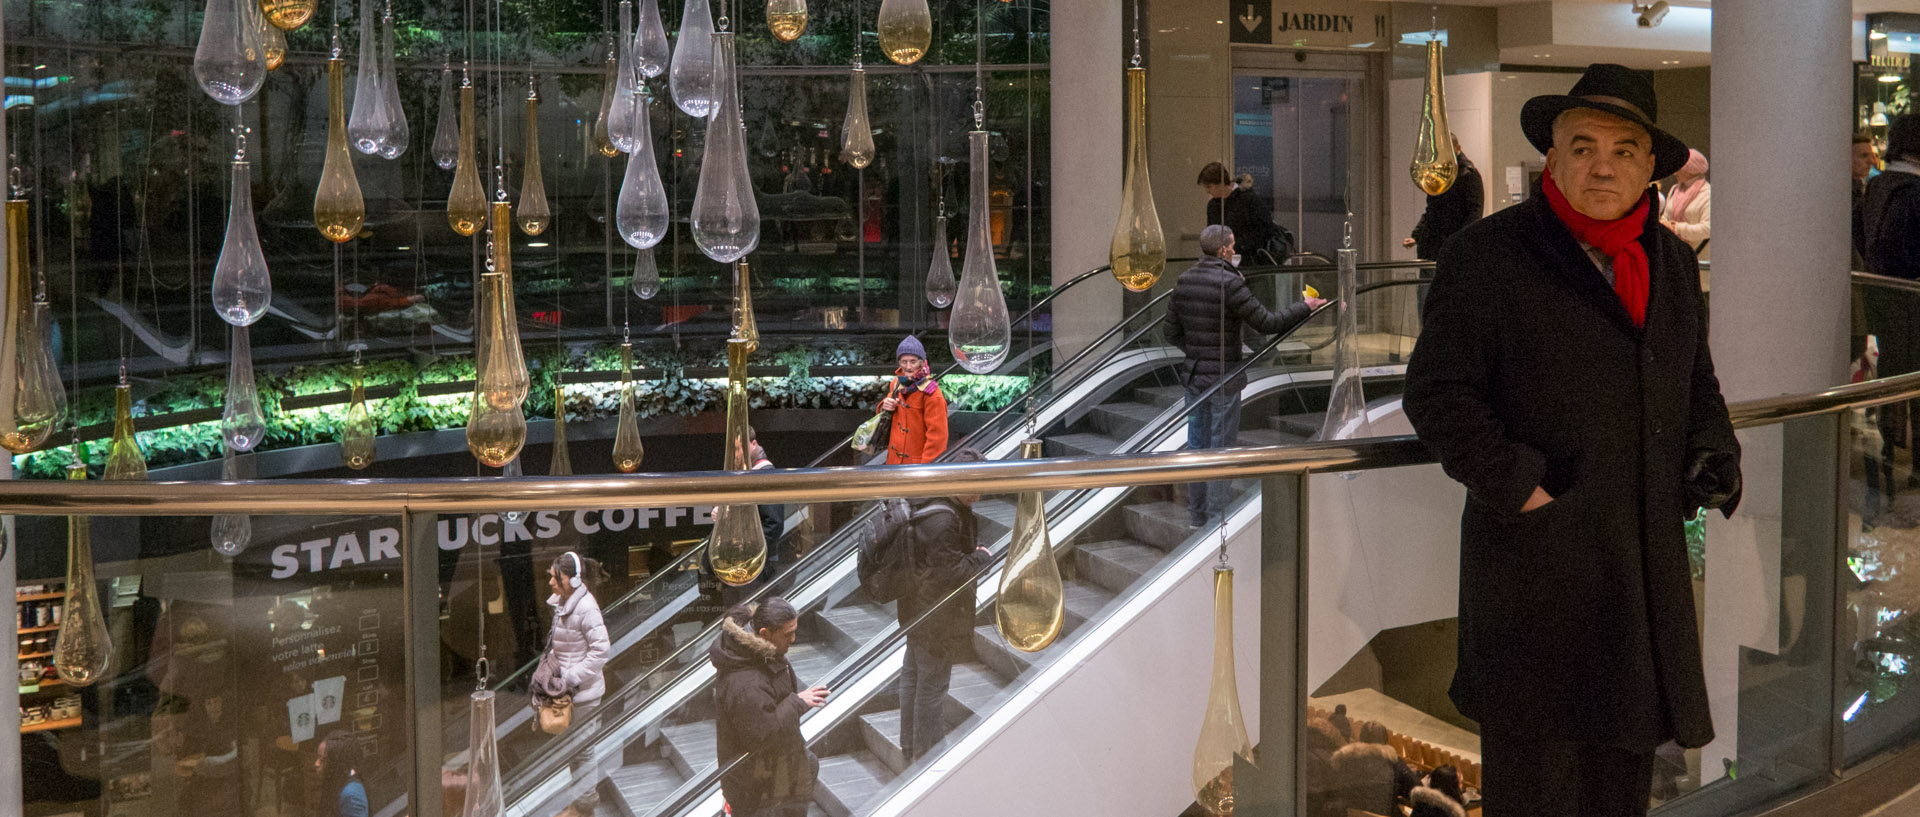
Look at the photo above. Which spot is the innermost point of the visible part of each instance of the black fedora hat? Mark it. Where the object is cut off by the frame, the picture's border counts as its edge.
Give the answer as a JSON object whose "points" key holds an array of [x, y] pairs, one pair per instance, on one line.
{"points": [[1613, 89]]}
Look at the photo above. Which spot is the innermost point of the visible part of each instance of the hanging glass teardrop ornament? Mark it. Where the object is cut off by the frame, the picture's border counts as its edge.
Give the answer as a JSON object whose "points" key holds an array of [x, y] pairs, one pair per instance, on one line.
{"points": [[500, 378], [561, 465], [1223, 732], [495, 436], [398, 135], [230, 62], [906, 30], [230, 533], [288, 15], [726, 218], [466, 202], [1138, 252], [446, 131], [642, 214], [738, 547], [125, 462], [242, 287], [1031, 605], [691, 78], [941, 284], [646, 275], [787, 19], [356, 430], [744, 326], [650, 40], [1346, 417], [368, 124], [979, 331], [242, 424], [36, 403], [83, 647], [856, 134], [532, 214], [484, 797], [276, 41], [620, 116], [628, 451], [601, 140], [1434, 168], [339, 211]]}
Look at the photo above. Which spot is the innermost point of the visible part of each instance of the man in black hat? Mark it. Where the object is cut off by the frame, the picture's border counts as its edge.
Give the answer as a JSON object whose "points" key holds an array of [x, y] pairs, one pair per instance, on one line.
{"points": [[1563, 376]]}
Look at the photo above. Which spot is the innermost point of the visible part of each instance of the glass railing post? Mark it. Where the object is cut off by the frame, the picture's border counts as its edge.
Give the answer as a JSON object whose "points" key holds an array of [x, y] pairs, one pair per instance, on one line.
{"points": [[421, 586], [1276, 786]]}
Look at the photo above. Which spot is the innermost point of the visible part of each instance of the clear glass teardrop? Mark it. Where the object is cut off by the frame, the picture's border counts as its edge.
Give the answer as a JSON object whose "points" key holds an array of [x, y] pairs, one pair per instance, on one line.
{"points": [[1138, 251], [646, 275], [691, 77], [1223, 732], [242, 424], [620, 116], [533, 214], [83, 648], [230, 533], [561, 465], [1031, 606], [941, 285], [466, 202], [40, 405], [628, 451], [339, 211], [125, 461], [979, 331], [787, 19], [484, 796], [726, 218], [242, 287], [650, 40], [738, 546], [368, 125], [230, 61], [642, 214], [906, 30], [856, 135], [357, 428], [446, 131], [398, 135]]}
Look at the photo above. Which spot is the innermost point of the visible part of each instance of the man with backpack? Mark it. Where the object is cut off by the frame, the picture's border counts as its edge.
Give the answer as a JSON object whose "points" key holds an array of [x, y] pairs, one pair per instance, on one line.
{"points": [[925, 556]]}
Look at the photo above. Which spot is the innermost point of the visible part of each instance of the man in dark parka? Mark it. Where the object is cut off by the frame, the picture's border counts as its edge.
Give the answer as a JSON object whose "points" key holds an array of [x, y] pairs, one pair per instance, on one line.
{"points": [[1563, 376]]}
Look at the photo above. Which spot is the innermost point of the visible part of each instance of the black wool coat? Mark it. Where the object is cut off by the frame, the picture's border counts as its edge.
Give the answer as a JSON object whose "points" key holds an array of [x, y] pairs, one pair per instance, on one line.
{"points": [[1577, 618]]}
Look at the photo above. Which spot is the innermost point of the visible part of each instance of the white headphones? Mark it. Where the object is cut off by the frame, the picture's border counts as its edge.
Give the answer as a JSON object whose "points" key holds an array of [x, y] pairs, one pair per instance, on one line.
{"points": [[574, 580]]}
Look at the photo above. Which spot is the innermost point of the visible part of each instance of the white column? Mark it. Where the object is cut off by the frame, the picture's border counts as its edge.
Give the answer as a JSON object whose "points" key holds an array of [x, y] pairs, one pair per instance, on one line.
{"points": [[1087, 63]]}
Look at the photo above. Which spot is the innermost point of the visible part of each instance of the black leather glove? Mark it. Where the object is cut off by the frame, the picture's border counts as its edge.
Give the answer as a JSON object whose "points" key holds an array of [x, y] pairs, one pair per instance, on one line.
{"points": [[1713, 480]]}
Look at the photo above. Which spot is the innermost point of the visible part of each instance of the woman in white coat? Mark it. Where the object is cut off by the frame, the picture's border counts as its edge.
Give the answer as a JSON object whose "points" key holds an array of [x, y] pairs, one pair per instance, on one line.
{"points": [[579, 645], [1689, 206]]}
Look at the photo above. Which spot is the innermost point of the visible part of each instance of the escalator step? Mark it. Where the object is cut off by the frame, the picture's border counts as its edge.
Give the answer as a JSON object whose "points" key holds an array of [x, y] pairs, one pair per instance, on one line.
{"points": [[852, 625], [995, 517], [1081, 445], [812, 662], [847, 782], [1265, 436], [1116, 564], [1302, 426], [690, 747], [1160, 524], [1123, 420], [880, 731], [994, 652], [1084, 602], [975, 687], [1161, 396], [645, 785]]}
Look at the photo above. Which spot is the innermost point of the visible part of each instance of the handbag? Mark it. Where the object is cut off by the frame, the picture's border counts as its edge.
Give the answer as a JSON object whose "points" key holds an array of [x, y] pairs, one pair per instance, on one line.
{"points": [[552, 707], [874, 432], [553, 715]]}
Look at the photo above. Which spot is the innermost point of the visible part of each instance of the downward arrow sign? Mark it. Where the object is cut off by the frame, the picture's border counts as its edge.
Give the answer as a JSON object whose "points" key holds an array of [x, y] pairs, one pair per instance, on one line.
{"points": [[1250, 20]]}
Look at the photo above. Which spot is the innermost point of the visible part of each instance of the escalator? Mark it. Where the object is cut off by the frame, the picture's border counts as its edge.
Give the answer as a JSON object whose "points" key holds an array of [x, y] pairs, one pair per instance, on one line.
{"points": [[1109, 539]]}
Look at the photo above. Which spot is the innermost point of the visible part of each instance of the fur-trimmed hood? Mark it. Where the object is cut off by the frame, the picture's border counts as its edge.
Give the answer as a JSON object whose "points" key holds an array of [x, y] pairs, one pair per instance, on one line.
{"points": [[739, 648], [1434, 803], [1361, 758]]}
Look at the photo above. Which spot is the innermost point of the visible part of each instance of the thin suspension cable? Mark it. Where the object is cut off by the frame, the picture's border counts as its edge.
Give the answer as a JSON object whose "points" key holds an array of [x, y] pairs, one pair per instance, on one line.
{"points": [[1136, 35], [979, 62]]}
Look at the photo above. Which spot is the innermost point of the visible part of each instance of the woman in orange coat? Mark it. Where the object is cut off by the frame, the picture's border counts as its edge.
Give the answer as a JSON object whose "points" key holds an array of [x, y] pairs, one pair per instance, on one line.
{"points": [[919, 409]]}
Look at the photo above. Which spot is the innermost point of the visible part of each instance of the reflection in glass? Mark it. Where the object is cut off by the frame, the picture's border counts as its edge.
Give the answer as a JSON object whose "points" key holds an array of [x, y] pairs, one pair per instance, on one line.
{"points": [[941, 284], [744, 326], [1032, 603], [242, 288], [484, 795], [1223, 732], [83, 647], [466, 202], [562, 463], [288, 15], [787, 19], [276, 41], [37, 401], [1434, 168], [398, 133], [357, 430], [691, 76], [242, 424], [627, 448], [601, 140], [856, 134], [125, 462], [446, 131], [906, 30], [1138, 252], [646, 275], [726, 219], [532, 214], [367, 127], [650, 40], [620, 116], [980, 332], [339, 211], [738, 547], [230, 61], [230, 533], [642, 213]]}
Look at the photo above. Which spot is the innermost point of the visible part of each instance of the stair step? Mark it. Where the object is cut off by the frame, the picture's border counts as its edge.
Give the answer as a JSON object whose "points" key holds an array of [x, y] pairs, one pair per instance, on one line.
{"points": [[994, 652], [1161, 396], [848, 781], [1160, 524], [644, 786], [1304, 426], [1116, 564], [1123, 420], [880, 732], [975, 687], [1080, 445], [1084, 601], [690, 747], [852, 625]]}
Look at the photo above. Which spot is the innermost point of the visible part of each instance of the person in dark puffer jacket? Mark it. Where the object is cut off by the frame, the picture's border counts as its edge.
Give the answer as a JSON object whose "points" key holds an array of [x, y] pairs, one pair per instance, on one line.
{"points": [[758, 705], [1211, 302]]}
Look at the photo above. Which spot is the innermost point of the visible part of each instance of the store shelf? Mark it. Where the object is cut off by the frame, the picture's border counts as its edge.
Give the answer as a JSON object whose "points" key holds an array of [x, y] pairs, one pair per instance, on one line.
{"points": [[45, 726], [47, 629], [44, 685], [36, 655], [40, 597]]}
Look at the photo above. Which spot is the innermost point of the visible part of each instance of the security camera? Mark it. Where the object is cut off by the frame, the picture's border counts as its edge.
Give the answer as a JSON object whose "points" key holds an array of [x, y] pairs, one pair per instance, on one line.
{"points": [[1651, 13]]}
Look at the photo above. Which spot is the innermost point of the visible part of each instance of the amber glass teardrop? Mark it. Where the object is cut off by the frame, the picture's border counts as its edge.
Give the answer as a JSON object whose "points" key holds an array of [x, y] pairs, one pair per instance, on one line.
{"points": [[357, 430], [1138, 252], [288, 15], [83, 647], [1223, 732], [1434, 168], [338, 208], [466, 202], [628, 451], [738, 548], [1031, 606], [124, 459], [562, 463]]}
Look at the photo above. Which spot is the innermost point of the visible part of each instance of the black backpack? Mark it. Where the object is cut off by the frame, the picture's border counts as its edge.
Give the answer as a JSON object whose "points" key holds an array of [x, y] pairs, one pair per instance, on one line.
{"points": [[885, 563]]}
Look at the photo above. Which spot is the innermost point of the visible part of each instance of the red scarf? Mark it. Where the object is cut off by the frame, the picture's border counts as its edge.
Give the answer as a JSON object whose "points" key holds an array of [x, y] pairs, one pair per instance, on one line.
{"points": [[1619, 239]]}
